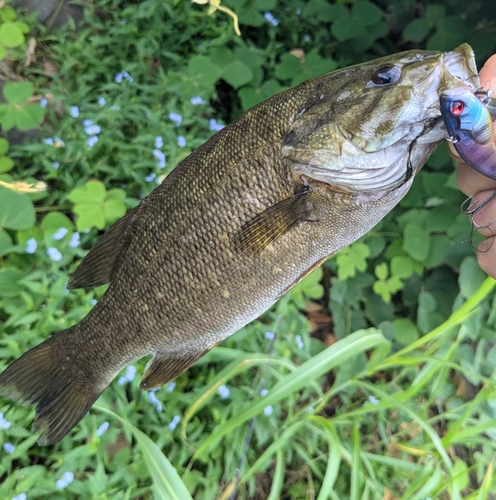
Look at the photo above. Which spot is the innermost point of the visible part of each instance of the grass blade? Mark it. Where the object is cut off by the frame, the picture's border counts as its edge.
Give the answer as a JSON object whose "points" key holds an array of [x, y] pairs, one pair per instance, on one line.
{"points": [[168, 484], [326, 360]]}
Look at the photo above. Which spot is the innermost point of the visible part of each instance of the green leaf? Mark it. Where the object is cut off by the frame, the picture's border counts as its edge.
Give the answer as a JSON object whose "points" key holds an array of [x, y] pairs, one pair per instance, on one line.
{"points": [[18, 93], [53, 221], [366, 13], [416, 30], [8, 116], [347, 29], [11, 35], [6, 164], [113, 209], [290, 65], [7, 13], [405, 331], [92, 193], [250, 17], [308, 288], [203, 73], [237, 74], [416, 242], [5, 242], [9, 279], [382, 271], [29, 117], [4, 145], [167, 481], [471, 276], [401, 266], [16, 210], [460, 474], [89, 216]]}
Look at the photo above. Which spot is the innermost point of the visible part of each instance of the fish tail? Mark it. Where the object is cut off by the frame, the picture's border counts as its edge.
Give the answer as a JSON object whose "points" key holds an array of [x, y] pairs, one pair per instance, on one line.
{"points": [[48, 377]]}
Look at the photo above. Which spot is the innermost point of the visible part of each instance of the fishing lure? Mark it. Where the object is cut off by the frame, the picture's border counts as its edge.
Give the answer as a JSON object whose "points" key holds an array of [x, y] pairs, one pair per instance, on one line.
{"points": [[469, 120]]}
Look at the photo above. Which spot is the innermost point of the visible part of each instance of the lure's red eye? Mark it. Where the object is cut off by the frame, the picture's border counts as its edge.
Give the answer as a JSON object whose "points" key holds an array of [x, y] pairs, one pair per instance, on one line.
{"points": [[457, 107]]}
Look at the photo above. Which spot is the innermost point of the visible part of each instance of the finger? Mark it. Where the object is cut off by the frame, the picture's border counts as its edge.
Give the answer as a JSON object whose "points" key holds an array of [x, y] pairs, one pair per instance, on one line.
{"points": [[486, 256], [471, 182], [487, 73]]}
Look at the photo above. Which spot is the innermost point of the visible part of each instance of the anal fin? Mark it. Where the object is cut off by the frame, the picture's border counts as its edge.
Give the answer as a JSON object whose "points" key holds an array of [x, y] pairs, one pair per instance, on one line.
{"points": [[257, 234], [166, 366]]}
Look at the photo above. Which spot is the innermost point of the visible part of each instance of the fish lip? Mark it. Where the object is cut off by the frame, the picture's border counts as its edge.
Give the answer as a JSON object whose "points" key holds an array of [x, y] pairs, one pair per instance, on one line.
{"points": [[459, 63]]}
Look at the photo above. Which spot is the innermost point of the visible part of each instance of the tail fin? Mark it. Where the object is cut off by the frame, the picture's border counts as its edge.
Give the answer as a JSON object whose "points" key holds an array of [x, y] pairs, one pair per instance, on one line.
{"points": [[62, 391]]}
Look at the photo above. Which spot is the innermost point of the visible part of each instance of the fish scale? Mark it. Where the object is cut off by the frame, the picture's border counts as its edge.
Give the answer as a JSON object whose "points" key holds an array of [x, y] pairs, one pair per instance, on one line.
{"points": [[237, 224]]}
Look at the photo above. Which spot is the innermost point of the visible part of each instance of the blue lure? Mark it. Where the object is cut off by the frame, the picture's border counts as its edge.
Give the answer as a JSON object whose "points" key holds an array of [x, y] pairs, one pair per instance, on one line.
{"points": [[469, 120]]}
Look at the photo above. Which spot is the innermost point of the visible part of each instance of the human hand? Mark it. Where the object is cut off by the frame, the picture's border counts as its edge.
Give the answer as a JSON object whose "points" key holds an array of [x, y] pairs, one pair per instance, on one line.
{"points": [[480, 188]]}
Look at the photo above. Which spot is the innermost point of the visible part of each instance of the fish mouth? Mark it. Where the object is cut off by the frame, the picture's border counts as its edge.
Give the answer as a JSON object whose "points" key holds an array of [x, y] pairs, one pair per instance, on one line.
{"points": [[460, 68]]}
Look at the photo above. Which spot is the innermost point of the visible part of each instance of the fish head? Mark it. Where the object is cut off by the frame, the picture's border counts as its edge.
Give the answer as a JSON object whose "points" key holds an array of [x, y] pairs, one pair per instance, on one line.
{"points": [[371, 127]]}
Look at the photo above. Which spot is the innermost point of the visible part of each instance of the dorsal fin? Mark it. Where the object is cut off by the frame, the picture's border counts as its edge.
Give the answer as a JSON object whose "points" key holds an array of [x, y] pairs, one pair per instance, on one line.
{"points": [[98, 265], [258, 233], [166, 366]]}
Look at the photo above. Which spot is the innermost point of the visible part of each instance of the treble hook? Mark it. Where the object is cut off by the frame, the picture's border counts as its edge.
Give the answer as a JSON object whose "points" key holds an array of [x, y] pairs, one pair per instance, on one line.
{"points": [[473, 208]]}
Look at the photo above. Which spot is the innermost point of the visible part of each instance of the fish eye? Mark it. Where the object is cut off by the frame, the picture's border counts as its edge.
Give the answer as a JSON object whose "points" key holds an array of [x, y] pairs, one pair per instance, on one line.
{"points": [[385, 75]]}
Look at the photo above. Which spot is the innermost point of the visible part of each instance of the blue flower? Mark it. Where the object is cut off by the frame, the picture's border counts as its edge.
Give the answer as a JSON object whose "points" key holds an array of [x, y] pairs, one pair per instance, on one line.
{"points": [[48, 141], [74, 243], [43, 102], [298, 12], [92, 129], [373, 400], [171, 387], [31, 245], [65, 480], [214, 126], [87, 122], [55, 165], [149, 178], [177, 119], [174, 422], [118, 77], [92, 141], [264, 392], [272, 20], [270, 335], [307, 38], [128, 376], [54, 254], [299, 342], [8, 448], [181, 141], [197, 100], [21, 496], [159, 142], [101, 101], [60, 233], [160, 157], [114, 107], [268, 411], [223, 391], [103, 428], [4, 423], [74, 112], [93, 302]]}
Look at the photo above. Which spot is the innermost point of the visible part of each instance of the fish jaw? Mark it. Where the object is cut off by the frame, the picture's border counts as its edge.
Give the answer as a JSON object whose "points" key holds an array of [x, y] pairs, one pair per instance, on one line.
{"points": [[379, 137]]}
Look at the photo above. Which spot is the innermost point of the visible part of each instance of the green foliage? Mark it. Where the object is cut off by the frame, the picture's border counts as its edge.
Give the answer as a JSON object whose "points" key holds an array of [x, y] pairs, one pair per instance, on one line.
{"points": [[412, 371], [18, 112], [95, 206]]}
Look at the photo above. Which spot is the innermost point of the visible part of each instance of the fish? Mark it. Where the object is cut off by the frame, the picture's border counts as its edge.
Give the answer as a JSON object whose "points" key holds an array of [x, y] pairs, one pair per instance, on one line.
{"points": [[469, 122], [238, 223]]}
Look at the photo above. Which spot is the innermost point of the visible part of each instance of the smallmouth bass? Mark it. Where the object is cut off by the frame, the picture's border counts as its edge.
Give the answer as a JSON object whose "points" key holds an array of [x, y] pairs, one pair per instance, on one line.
{"points": [[238, 223]]}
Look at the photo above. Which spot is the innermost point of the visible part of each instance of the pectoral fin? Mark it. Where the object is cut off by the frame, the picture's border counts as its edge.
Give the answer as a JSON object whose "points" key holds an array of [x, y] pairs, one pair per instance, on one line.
{"points": [[166, 366], [97, 267], [256, 235]]}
